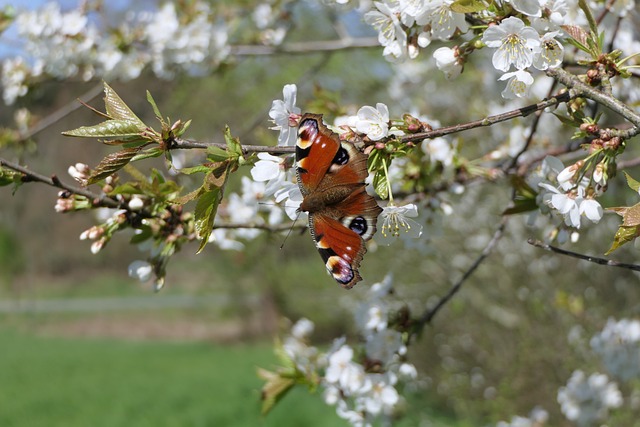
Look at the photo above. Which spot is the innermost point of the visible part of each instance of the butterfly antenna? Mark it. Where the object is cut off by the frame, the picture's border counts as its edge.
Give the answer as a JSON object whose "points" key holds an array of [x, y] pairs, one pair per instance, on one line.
{"points": [[290, 230]]}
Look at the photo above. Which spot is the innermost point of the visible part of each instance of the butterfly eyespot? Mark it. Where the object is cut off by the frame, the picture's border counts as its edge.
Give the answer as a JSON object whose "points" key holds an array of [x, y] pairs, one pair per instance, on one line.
{"points": [[340, 269], [359, 225], [341, 158]]}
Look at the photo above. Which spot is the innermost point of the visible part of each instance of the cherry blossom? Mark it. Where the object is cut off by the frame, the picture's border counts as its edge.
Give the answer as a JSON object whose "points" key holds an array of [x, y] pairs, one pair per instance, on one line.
{"points": [[448, 62], [141, 270], [280, 113], [518, 84], [271, 169], [396, 219], [443, 21], [374, 122], [515, 43], [551, 52]]}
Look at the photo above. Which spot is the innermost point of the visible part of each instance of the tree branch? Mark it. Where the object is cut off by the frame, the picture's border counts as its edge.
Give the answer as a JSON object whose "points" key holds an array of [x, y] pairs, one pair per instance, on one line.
{"points": [[307, 47], [429, 314], [596, 260], [180, 143], [64, 111], [581, 89], [490, 120], [54, 181]]}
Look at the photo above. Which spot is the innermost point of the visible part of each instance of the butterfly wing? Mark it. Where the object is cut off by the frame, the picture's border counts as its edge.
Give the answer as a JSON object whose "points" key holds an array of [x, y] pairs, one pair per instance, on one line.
{"points": [[340, 234], [315, 151], [342, 216]]}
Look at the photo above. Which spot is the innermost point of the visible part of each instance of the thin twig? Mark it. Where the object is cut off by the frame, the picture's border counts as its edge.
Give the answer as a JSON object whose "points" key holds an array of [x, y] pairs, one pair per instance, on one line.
{"points": [[64, 111], [429, 314], [307, 47], [595, 260], [54, 181], [180, 143], [256, 226], [580, 89], [532, 131]]}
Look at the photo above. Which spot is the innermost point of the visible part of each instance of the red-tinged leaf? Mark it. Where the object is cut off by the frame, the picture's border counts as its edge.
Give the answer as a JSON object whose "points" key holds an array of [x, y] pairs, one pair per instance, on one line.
{"points": [[217, 177], [111, 164], [577, 33], [623, 235], [631, 217], [117, 109], [620, 210]]}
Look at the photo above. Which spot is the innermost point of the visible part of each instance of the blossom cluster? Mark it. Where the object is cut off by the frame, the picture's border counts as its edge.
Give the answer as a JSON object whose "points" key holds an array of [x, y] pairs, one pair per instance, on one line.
{"points": [[530, 37], [569, 193], [404, 26], [587, 400], [67, 44], [618, 345], [537, 418], [360, 394]]}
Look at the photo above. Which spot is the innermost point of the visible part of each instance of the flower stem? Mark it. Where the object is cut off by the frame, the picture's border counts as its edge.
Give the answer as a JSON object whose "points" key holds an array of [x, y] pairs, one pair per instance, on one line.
{"points": [[386, 175]]}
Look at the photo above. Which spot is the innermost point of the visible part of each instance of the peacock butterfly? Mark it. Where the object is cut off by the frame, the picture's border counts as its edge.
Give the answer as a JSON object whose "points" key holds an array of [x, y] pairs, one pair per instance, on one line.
{"points": [[342, 216]]}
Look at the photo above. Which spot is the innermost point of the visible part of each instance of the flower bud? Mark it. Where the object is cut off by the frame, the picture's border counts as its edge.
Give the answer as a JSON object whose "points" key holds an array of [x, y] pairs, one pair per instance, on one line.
{"points": [[136, 203]]}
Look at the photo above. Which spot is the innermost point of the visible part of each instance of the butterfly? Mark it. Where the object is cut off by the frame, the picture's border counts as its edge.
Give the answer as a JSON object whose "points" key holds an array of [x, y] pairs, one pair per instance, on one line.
{"points": [[342, 216]]}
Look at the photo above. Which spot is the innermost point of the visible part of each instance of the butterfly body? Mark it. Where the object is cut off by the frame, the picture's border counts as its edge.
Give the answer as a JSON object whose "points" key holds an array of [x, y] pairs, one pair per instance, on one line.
{"points": [[342, 216]]}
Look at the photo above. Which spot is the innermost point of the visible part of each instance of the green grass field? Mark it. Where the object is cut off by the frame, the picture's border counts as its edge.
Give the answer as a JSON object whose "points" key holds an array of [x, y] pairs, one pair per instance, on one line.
{"points": [[97, 382]]}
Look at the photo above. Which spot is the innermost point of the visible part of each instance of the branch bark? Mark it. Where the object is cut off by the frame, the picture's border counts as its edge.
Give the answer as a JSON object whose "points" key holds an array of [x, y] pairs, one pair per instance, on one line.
{"points": [[180, 143], [54, 181]]}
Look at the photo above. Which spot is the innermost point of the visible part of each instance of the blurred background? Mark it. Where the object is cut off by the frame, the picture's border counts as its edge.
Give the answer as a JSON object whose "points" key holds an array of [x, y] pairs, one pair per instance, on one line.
{"points": [[83, 344]]}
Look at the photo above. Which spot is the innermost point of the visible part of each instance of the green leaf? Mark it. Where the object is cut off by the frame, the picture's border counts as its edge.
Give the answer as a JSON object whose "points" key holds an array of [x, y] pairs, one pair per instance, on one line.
{"points": [[275, 388], [468, 6], [632, 183], [145, 233], [380, 184], [110, 128], [195, 169], [128, 188], [205, 213], [117, 109], [156, 110], [233, 144], [111, 164], [623, 235], [8, 177], [148, 153], [183, 200], [521, 206], [217, 154]]}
